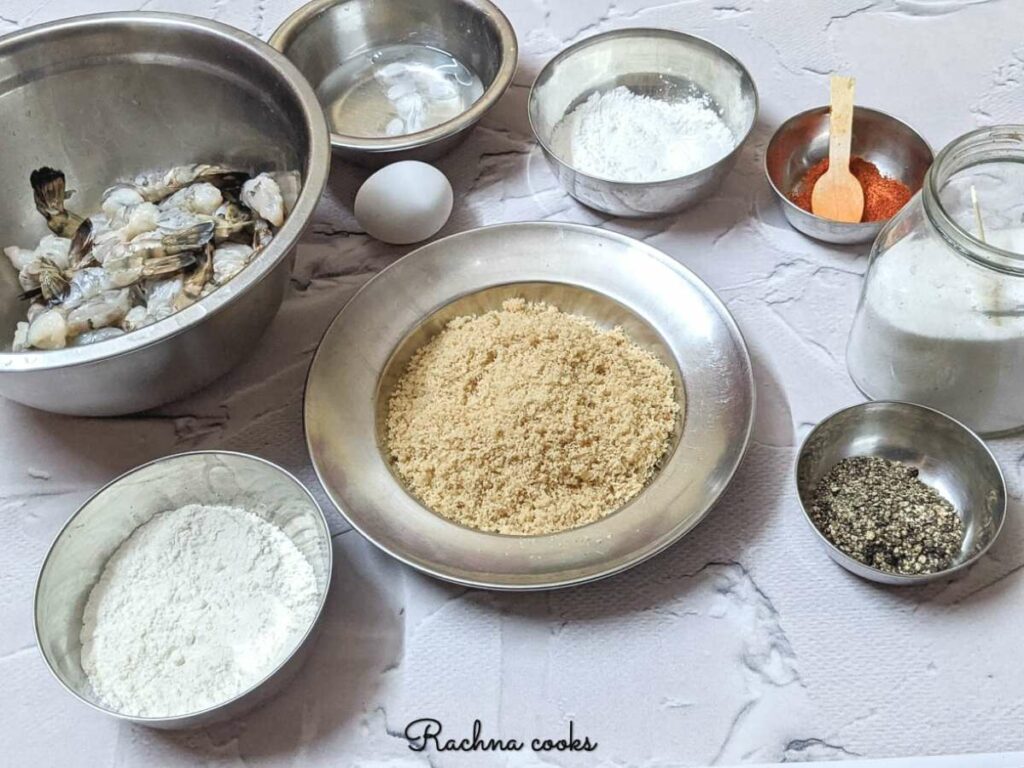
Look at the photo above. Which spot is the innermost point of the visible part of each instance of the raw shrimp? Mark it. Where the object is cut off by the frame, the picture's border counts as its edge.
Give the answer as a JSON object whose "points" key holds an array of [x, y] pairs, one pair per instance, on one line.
{"points": [[155, 189], [91, 337], [119, 197], [192, 288], [53, 280], [84, 285], [20, 257], [20, 342], [263, 195], [56, 249], [135, 319], [172, 243], [131, 268], [160, 297], [108, 308], [228, 260], [135, 220], [48, 330], [157, 245], [203, 198], [261, 235], [231, 218], [177, 219]]}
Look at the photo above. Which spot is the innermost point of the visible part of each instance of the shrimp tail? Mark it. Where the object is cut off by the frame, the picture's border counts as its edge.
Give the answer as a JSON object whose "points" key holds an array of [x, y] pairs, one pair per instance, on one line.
{"points": [[81, 246], [191, 239], [193, 286], [49, 191], [165, 266], [261, 235], [33, 293]]}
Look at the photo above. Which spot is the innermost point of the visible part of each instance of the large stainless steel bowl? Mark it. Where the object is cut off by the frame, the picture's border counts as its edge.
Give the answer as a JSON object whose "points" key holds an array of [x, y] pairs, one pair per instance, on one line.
{"points": [[88, 539], [105, 97], [607, 277], [323, 35], [659, 63]]}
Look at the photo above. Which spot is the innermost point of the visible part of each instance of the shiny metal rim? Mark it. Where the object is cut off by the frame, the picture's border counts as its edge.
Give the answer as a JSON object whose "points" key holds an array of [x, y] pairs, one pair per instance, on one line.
{"points": [[368, 506]]}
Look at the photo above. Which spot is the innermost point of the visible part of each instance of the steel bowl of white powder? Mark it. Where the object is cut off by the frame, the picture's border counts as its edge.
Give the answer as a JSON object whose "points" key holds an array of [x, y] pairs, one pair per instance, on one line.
{"points": [[186, 591], [642, 122]]}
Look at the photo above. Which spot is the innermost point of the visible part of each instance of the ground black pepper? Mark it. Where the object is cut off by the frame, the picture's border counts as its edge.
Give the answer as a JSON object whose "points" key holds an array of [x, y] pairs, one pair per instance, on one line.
{"points": [[879, 512]]}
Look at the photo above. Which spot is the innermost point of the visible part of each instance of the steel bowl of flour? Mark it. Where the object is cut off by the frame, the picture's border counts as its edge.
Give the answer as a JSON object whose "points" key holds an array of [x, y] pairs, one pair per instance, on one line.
{"points": [[642, 122], [228, 506]]}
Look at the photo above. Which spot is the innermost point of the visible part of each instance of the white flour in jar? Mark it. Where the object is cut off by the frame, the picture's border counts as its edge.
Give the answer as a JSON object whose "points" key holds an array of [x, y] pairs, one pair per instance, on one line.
{"points": [[939, 330], [624, 136], [196, 606]]}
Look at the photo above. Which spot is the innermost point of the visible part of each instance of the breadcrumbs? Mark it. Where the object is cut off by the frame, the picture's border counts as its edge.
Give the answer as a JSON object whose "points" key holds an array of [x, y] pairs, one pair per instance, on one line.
{"points": [[528, 420]]}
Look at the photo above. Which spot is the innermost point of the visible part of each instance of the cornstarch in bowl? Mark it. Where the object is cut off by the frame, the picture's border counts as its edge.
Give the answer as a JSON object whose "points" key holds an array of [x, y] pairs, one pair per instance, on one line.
{"points": [[619, 135]]}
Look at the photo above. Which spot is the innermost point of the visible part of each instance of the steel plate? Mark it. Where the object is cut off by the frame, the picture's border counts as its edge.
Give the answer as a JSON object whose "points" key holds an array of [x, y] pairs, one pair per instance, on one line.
{"points": [[608, 277]]}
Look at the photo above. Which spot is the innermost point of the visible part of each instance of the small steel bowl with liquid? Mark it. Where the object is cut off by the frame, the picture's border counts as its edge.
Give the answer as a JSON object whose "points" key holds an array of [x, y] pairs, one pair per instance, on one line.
{"points": [[401, 79]]}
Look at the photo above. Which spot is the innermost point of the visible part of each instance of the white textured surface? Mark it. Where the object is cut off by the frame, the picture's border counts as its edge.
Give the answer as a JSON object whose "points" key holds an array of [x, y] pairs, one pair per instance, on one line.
{"points": [[743, 642]]}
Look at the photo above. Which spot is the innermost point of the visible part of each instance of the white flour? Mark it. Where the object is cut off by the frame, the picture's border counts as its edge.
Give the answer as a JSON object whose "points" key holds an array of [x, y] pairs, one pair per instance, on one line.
{"points": [[938, 330], [623, 136], [197, 605]]}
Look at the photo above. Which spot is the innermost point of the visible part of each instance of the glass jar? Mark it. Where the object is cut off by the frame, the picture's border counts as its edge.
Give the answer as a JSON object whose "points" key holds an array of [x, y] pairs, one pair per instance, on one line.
{"points": [[941, 315]]}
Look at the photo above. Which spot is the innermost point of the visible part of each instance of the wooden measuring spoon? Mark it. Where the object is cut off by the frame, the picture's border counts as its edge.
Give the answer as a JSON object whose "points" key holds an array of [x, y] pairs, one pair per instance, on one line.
{"points": [[838, 195]]}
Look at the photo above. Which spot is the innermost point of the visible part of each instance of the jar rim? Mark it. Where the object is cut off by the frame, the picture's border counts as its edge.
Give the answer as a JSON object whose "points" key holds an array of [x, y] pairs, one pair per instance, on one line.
{"points": [[977, 147]]}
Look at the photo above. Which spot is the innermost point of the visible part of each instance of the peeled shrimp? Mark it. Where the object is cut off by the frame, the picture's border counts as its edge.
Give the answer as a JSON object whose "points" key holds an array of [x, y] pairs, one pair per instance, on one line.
{"points": [[20, 257], [228, 260], [20, 342], [117, 198], [201, 198], [136, 220], [160, 297], [107, 309], [91, 337], [48, 330], [263, 195], [156, 188]]}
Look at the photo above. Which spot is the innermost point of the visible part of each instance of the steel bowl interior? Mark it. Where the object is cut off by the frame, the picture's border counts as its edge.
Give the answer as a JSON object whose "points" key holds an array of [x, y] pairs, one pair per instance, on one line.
{"points": [[82, 548], [950, 457], [659, 63], [607, 277], [324, 34], [107, 97], [800, 142]]}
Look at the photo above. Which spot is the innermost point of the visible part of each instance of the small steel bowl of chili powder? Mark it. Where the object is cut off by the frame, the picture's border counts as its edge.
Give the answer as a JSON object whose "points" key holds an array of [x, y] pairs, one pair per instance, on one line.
{"points": [[890, 160]]}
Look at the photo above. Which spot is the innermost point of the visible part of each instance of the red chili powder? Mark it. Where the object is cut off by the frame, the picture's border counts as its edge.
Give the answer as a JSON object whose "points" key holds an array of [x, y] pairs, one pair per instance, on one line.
{"points": [[883, 197]]}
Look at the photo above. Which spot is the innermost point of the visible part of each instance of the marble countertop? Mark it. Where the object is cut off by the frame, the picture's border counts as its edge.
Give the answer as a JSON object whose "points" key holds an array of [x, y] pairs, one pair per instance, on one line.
{"points": [[742, 643]]}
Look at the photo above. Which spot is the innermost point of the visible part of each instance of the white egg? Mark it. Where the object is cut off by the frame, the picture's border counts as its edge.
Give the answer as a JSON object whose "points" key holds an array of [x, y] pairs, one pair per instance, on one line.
{"points": [[404, 202]]}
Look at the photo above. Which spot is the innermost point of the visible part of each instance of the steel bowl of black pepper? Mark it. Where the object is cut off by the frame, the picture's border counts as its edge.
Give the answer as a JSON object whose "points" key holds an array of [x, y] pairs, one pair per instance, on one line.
{"points": [[899, 493]]}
